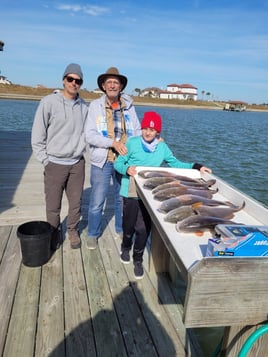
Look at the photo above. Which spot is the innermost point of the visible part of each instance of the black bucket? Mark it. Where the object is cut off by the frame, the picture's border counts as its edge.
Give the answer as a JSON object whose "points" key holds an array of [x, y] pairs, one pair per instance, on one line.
{"points": [[35, 240]]}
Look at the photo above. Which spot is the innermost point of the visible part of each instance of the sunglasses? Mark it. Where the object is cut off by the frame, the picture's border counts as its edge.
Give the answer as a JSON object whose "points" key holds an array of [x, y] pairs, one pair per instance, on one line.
{"points": [[77, 81]]}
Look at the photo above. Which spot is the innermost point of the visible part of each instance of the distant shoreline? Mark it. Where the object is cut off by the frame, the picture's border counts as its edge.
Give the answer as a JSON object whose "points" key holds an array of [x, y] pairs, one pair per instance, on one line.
{"points": [[34, 97], [17, 96], [39, 97]]}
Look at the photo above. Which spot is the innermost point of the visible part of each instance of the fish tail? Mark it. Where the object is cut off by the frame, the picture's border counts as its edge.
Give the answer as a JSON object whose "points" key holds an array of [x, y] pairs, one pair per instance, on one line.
{"points": [[210, 182], [242, 206]]}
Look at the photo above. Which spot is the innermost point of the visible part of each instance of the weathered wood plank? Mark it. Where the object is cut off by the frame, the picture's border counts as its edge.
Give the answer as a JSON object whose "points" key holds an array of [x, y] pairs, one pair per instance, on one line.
{"points": [[239, 296], [173, 306], [159, 260], [105, 324], [9, 271], [22, 328], [4, 235], [78, 326], [50, 325], [136, 335], [168, 334]]}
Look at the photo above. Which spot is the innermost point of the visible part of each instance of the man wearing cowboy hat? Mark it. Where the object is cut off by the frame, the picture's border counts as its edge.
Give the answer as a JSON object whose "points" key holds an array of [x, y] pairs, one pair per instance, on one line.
{"points": [[111, 120]]}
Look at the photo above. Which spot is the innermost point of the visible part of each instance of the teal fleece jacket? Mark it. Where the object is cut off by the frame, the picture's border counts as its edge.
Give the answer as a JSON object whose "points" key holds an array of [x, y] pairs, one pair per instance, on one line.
{"points": [[136, 156]]}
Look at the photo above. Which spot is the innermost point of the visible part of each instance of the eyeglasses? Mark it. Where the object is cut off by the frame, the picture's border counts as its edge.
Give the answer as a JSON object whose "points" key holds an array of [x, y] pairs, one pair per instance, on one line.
{"points": [[77, 81]]}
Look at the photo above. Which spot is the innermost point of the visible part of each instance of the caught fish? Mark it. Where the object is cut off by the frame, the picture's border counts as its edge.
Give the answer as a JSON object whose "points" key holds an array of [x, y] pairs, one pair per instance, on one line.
{"points": [[173, 184], [161, 173], [178, 214], [182, 200], [225, 212], [199, 222], [206, 184], [182, 190], [164, 194], [152, 182]]}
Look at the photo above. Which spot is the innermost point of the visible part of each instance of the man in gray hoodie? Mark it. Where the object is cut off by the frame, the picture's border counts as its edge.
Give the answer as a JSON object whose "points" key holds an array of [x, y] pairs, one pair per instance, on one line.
{"points": [[58, 142]]}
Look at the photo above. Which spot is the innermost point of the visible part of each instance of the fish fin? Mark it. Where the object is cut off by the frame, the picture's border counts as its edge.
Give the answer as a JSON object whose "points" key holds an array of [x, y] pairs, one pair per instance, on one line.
{"points": [[213, 191], [197, 205], [199, 233], [210, 182], [228, 203], [237, 208]]}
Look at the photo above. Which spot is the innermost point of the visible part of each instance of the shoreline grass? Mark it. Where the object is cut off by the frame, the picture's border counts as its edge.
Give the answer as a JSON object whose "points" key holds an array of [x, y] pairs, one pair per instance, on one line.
{"points": [[14, 91]]}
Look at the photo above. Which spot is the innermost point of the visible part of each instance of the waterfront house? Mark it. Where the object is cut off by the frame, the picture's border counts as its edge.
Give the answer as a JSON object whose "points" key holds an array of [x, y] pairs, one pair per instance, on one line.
{"points": [[4, 80], [179, 91]]}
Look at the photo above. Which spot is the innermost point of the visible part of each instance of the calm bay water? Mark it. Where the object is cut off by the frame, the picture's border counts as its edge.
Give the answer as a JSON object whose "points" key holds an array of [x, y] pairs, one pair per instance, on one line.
{"points": [[233, 144]]}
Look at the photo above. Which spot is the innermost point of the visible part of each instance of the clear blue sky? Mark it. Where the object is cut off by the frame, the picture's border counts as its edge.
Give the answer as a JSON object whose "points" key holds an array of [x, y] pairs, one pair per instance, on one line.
{"points": [[220, 47]]}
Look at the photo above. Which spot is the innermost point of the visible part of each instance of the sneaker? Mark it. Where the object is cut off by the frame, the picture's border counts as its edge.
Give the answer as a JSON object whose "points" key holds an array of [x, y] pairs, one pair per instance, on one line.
{"points": [[138, 270], [92, 243], [124, 257], [75, 241]]}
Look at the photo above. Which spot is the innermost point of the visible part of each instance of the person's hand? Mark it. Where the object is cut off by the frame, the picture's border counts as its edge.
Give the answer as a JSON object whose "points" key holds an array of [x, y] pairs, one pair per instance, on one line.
{"points": [[119, 147], [131, 171], [205, 169]]}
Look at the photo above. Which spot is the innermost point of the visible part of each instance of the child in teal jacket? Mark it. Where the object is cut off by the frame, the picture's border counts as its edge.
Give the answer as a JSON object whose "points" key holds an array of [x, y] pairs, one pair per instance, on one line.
{"points": [[144, 150]]}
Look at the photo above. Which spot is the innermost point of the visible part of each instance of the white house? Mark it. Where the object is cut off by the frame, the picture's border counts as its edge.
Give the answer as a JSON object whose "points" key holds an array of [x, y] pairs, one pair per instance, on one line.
{"points": [[4, 80], [179, 91]]}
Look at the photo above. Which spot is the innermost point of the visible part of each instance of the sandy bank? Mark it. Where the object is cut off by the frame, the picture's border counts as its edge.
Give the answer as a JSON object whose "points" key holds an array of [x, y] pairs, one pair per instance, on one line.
{"points": [[89, 96]]}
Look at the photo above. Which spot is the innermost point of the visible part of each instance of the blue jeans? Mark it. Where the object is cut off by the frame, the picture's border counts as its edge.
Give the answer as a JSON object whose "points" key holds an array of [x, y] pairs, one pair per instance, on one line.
{"points": [[100, 179]]}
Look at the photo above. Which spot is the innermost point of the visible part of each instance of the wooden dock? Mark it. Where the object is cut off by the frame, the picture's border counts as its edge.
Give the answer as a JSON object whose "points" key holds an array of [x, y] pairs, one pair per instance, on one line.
{"points": [[81, 303]]}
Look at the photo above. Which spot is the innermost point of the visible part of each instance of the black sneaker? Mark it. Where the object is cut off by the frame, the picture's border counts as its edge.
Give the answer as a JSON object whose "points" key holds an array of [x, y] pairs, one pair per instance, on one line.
{"points": [[138, 270], [124, 257]]}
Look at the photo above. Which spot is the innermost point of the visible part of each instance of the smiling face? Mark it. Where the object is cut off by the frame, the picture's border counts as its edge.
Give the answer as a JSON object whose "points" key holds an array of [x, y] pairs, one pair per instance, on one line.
{"points": [[72, 83], [149, 134], [112, 87]]}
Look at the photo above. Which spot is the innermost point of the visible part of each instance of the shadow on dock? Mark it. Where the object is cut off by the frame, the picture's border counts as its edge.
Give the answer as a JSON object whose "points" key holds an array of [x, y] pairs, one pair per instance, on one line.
{"points": [[129, 338]]}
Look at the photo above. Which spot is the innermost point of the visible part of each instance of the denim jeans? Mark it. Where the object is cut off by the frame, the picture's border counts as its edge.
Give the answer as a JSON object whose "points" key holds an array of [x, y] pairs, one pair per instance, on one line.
{"points": [[100, 179]]}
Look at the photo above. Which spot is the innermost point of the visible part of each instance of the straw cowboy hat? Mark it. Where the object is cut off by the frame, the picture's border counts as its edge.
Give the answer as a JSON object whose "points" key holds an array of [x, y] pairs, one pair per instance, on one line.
{"points": [[112, 72]]}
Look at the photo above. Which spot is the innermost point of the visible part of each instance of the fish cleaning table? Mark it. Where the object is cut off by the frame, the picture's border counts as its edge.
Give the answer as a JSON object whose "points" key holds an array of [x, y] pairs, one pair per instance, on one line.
{"points": [[221, 291]]}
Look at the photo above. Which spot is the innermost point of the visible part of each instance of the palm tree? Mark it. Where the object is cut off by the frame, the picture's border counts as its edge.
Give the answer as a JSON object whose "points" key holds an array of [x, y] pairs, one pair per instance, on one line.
{"points": [[138, 91]]}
